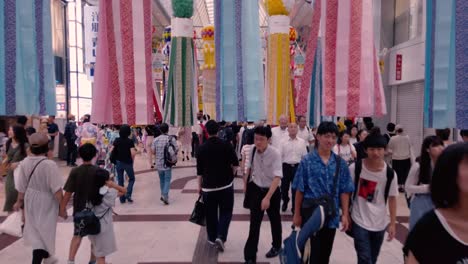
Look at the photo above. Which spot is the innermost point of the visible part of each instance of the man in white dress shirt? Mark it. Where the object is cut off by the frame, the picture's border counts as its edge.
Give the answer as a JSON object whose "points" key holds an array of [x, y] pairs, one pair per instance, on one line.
{"points": [[304, 131], [292, 150], [280, 132]]}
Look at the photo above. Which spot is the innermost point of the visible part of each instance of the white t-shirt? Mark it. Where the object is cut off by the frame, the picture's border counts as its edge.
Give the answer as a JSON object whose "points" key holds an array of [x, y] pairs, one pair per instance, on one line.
{"points": [[345, 152], [369, 209]]}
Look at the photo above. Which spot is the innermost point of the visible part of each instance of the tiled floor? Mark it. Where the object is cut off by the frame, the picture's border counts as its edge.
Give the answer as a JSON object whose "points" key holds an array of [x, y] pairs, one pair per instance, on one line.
{"points": [[149, 232]]}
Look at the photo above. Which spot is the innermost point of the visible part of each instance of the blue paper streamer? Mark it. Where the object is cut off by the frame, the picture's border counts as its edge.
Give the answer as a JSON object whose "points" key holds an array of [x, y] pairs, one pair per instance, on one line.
{"points": [[461, 38]]}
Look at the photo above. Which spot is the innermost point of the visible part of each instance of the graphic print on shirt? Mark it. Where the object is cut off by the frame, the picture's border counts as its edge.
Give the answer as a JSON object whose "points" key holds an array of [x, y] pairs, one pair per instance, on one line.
{"points": [[367, 189]]}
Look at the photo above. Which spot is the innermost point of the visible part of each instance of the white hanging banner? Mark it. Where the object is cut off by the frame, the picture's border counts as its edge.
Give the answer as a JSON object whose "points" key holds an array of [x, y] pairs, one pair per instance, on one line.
{"points": [[91, 25]]}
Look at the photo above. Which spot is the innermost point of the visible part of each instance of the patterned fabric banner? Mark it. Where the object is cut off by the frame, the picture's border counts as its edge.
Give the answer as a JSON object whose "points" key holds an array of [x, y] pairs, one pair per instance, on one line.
{"points": [[350, 89], [238, 61], [27, 73], [123, 91], [446, 89]]}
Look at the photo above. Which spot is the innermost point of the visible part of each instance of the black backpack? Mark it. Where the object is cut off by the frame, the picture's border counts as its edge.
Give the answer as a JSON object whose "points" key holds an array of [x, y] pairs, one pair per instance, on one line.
{"points": [[357, 176], [170, 153]]}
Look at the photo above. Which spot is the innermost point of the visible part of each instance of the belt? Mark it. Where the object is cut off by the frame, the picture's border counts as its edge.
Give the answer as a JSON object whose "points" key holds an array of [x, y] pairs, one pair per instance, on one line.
{"points": [[291, 165]]}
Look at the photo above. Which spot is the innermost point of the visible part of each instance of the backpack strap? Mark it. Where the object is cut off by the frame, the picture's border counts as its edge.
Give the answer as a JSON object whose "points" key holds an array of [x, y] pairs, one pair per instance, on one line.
{"points": [[357, 176], [249, 177], [337, 174], [390, 176]]}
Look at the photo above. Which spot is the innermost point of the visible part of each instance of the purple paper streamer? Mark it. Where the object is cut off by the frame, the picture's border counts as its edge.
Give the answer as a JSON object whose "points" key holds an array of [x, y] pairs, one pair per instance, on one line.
{"points": [[40, 54], [461, 64], [431, 76], [240, 79], [10, 57], [218, 34]]}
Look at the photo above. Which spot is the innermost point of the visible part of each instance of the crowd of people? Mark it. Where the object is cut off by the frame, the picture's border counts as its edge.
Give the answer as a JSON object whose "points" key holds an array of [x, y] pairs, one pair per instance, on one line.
{"points": [[350, 169]]}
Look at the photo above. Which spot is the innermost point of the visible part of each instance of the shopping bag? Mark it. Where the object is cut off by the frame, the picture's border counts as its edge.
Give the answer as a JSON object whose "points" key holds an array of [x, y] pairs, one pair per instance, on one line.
{"points": [[199, 213], [12, 225]]}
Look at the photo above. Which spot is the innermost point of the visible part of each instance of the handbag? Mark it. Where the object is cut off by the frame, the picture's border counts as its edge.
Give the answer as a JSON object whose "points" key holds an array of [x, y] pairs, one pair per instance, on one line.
{"points": [[87, 223], [248, 189], [13, 225], [198, 215], [327, 201]]}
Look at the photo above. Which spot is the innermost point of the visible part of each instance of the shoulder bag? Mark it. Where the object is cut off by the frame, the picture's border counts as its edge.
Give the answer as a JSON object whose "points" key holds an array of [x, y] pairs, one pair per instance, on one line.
{"points": [[248, 189]]}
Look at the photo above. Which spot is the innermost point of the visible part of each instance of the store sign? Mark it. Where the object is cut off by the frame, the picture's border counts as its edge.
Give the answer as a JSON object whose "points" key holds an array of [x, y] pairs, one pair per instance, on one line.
{"points": [[399, 65], [91, 26]]}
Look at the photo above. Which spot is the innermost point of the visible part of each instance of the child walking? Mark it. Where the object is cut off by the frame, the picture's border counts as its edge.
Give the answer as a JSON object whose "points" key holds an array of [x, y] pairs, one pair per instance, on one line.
{"points": [[104, 195]]}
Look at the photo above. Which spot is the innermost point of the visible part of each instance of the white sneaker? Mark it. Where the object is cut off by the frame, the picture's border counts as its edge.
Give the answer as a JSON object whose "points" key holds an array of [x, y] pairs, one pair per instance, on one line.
{"points": [[219, 244], [52, 260]]}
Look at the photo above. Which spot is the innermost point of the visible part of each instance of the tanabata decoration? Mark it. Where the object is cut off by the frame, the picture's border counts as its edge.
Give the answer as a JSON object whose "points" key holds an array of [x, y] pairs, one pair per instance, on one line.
{"points": [[446, 85], [209, 73], [123, 82], [303, 95], [180, 101], [167, 44], [27, 79], [314, 102], [239, 73], [352, 81], [279, 91]]}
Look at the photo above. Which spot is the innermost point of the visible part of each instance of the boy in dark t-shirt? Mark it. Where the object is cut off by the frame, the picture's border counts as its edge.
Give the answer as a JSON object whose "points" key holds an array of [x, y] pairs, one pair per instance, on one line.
{"points": [[79, 184]]}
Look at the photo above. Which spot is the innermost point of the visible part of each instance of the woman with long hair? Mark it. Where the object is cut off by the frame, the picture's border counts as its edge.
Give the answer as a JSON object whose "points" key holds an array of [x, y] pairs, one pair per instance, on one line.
{"points": [[344, 148], [441, 235], [419, 179], [361, 136], [16, 147]]}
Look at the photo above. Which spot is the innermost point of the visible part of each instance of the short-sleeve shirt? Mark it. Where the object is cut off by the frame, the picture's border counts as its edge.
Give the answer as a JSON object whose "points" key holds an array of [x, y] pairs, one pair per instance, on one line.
{"points": [[345, 152], [266, 166], [433, 241], [314, 179], [369, 208], [123, 148], [80, 183], [158, 146]]}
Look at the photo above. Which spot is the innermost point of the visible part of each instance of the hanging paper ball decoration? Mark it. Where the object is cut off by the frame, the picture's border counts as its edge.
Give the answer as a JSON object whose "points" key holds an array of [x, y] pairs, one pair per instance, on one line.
{"points": [[167, 34], [182, 8], [292, 34], [207, 33], [279, 7]]}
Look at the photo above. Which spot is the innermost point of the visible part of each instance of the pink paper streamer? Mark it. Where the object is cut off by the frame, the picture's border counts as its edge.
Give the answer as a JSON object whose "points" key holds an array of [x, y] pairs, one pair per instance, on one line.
{"points": [[330, 56]]}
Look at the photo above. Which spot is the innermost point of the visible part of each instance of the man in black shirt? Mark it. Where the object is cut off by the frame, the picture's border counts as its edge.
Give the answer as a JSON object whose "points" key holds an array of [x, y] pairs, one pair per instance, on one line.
{"points": [[216, 164], [53, 130], [79, 184]]}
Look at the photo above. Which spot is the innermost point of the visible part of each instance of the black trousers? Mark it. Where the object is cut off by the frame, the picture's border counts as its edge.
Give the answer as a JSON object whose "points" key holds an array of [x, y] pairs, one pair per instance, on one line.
{"points": [[402, 168], [288, 176], [72, 151], [219, 207], [195, 144], [256, 217], [321, 245]]}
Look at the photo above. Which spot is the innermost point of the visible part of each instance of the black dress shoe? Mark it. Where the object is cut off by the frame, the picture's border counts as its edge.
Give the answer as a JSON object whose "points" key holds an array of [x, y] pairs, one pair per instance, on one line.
{"points": [[284, 207], [272, 253]]}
